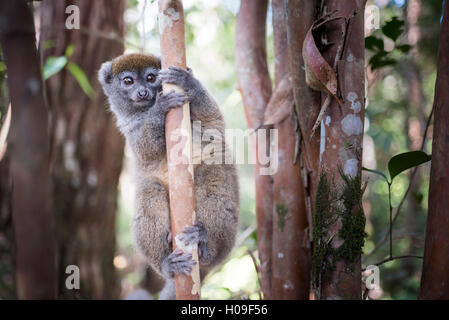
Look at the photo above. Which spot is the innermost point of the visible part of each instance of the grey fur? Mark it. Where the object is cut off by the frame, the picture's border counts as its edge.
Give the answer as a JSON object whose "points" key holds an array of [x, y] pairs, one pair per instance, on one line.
{"points": [[216, 185]]}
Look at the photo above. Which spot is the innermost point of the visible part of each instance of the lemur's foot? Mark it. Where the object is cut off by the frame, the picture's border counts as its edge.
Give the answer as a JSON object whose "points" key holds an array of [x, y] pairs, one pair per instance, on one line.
{"points": [[178, 262], [171, 99], [196, 234], [178, 76]]}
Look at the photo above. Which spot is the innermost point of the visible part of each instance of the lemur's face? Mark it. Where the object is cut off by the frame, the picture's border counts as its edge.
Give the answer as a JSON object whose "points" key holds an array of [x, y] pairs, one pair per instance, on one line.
{"points": [[139, 87], [131, 82]]}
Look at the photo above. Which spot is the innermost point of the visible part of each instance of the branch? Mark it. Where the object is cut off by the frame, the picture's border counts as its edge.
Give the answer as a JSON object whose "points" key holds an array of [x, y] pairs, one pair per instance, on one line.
{"points": [[180, 171], [399, 207], [394, 258]]}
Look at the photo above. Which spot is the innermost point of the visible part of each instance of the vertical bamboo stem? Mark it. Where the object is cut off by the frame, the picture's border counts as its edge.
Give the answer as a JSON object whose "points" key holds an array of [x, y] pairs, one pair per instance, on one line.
{"points": [[178, 131]]}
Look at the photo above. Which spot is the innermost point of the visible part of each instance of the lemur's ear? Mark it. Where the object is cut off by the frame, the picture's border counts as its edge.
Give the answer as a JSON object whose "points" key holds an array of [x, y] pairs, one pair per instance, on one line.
{"points": [[160, 62], [105, 73]]}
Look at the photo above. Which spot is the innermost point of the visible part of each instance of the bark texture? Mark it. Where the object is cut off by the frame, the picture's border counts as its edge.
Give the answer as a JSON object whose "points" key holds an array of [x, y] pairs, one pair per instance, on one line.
{"points": [[7, 273], [32, 218], [86, 147], [291, 250], [341, 155], [300, 16], [255, 86], [435, 278], [180, 175]]}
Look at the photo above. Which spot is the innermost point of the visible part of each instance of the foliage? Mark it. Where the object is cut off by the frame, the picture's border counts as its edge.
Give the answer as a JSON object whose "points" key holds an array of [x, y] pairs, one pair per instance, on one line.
{"points": [[401, 162], [407, 160], [53, 65], [392, 29]]}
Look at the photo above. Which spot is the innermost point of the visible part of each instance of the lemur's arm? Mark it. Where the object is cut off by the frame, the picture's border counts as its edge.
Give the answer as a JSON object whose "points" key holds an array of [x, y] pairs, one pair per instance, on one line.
{"points": [[202, 106]]}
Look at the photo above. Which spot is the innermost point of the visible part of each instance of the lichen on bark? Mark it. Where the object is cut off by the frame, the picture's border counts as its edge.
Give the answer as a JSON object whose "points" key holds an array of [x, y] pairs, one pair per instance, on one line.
{"points": [[343, 203]]}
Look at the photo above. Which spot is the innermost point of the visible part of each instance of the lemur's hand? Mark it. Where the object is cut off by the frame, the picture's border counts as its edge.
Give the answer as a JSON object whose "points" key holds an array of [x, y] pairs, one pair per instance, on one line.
{"points": [[171, 99], [179, 77], [177, 262], [196, 234]]}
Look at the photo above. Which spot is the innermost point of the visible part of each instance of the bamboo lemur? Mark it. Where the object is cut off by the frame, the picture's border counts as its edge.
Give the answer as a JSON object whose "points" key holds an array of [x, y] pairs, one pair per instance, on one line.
{"points": [[133, 84]]}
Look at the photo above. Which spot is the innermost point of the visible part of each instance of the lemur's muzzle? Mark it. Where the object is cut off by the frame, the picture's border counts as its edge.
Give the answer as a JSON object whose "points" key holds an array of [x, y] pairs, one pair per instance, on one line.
{"points": [[143, 94]]}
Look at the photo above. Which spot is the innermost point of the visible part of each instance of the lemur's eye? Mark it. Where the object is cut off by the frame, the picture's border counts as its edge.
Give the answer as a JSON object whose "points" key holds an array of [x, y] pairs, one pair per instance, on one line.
{"points": [[151, 78], [128, 81]]}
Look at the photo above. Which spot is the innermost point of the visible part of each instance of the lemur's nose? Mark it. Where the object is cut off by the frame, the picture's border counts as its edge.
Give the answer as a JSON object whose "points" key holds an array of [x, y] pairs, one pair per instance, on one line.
{"points": [[142, 93]]}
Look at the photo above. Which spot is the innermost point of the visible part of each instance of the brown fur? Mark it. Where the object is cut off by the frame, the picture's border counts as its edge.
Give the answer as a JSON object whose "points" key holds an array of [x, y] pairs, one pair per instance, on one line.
{"points": [[135, 62]]}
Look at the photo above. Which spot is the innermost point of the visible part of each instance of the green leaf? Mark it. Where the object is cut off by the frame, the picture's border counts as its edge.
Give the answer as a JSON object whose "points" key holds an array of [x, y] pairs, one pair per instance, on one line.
{"points": [[393, 28], [380, 173], [381, 59], [48, 44], [53, 65], [254, 236], [404, 48], [405, 161], [2, 66], [81, 78], [372, 42], [69, 51], [418, 197]]}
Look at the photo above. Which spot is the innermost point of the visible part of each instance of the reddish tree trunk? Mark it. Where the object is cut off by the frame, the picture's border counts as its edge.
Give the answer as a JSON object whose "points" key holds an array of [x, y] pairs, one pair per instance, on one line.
{"points": [[32, 219], [291, 255], [180, 175], [7, 276], [341, 151], [87, 149], [255, 87], [7, 250], [435, 276], [300, 16]]}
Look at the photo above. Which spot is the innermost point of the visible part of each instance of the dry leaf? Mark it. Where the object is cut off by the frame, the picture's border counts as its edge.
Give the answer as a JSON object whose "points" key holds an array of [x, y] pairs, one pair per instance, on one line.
{"points": [[281, 103], [319, 74]]}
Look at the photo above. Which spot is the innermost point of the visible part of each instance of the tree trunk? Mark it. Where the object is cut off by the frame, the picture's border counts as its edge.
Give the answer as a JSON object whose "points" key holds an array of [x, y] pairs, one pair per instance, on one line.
{"points": [[7, 256], [7, 274], [338, 210], [87, 149], [300, 16], [32, 219], [255, 86], [180, 175], [291, 254], [435, 276]]}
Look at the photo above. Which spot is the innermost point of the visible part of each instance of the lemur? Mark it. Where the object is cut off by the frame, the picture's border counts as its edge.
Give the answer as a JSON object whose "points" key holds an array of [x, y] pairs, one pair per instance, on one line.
{"points": [[133, 85]]}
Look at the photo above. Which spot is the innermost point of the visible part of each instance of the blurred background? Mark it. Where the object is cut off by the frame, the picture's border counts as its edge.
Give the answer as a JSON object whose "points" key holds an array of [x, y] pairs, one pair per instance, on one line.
{"points": [[399, 100]]}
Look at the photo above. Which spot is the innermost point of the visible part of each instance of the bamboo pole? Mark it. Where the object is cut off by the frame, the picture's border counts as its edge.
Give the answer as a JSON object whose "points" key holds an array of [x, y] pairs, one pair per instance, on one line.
{"points": [[178, 134]]}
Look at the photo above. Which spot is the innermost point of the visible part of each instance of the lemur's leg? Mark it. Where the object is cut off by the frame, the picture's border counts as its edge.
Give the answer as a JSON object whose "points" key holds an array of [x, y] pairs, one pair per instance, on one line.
{"points": [[151, 225]]}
